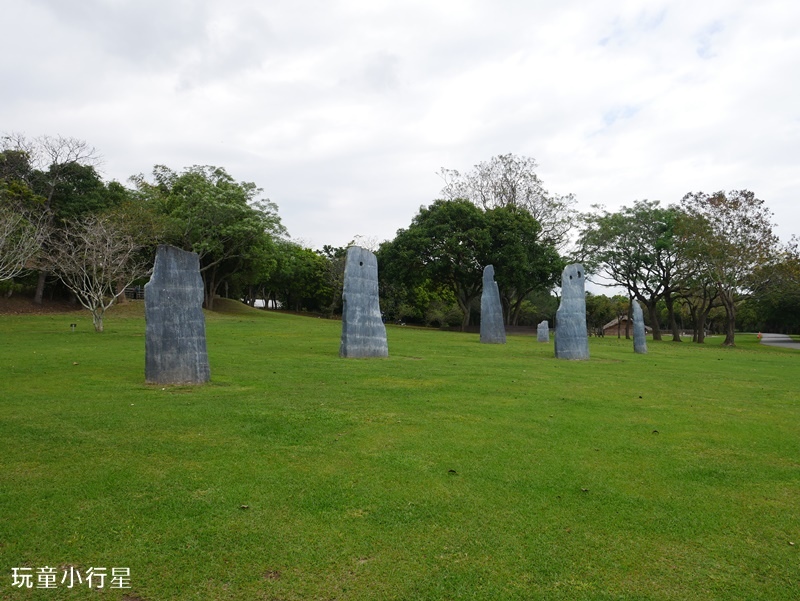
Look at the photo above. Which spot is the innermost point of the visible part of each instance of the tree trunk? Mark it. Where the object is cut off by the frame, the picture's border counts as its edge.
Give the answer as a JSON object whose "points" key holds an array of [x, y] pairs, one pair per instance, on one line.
{"points": [[464, 305], [673, 324], [651, 309], [122, 298], [628, 321], [210, 288], [37, 298], [694, 313], [516, 311], [730, 311], [209, 297], [700, 327], [97, 319]]}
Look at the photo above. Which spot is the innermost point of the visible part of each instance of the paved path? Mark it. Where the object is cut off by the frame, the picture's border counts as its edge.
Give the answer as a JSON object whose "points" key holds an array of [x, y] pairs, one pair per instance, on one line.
{"points": [[780, 340]]}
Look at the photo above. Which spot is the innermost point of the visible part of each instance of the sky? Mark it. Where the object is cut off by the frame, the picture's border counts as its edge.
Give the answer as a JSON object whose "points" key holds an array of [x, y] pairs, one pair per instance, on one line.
{"points": [[344, 111]]}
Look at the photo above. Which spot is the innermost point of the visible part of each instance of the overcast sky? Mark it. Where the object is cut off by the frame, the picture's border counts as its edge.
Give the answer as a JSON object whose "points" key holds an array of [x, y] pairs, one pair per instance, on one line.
{"points": [[344, 111]]}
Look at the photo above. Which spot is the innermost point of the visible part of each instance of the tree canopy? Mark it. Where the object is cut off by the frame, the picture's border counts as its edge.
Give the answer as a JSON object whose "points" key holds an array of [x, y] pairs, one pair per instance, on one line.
{"points": [[209, 213], [729, 239], [635, 248], [510, 181], [450, 242]]}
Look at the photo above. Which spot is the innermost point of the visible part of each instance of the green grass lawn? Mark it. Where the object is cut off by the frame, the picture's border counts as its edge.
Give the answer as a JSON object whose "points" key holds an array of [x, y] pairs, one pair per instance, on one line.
{"points": [[450, 470]]}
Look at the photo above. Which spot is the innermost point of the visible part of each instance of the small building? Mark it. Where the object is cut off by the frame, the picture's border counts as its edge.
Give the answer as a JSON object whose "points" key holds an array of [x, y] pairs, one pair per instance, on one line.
{"points": [[617, 327]]}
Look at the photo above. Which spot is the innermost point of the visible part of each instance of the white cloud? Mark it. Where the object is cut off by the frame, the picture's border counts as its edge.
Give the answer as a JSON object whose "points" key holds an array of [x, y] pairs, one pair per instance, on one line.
{"points": [[344, 111]]}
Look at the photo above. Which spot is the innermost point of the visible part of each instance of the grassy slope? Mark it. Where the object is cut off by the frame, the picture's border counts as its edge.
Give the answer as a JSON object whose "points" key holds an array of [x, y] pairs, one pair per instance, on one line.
{"points": [[449, 470]]}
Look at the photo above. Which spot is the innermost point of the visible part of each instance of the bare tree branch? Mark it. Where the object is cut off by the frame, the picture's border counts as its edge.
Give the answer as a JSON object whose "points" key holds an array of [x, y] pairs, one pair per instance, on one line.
{"points": [[97, 259], [508, 180], [21, 238]]}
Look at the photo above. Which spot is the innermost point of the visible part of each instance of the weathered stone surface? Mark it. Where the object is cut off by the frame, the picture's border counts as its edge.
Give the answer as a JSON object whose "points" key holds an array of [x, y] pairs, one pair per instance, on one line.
{"points": [[175, 334], [572, 339], [493, 330], [363, 332], [543, 332], [639, 339]]}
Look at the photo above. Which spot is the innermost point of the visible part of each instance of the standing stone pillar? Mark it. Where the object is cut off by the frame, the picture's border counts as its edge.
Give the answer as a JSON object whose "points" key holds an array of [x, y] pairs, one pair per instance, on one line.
{"points": [[493, 330], [639, 338], [363, 332], [543, 332], [572, 339], [175, 333]]}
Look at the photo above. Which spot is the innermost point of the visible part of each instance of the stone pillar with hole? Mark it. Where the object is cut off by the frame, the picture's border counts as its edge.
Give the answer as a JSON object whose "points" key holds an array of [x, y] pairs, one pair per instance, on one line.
{"points": [[363, 332], [572, 338]]}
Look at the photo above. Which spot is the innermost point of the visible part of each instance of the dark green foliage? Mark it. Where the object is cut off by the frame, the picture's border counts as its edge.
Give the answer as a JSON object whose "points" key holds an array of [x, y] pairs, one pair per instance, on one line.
{"points": [[522, 263], [775, 306], [449, 243], [299, 281], [209, 213], [636, 249]]}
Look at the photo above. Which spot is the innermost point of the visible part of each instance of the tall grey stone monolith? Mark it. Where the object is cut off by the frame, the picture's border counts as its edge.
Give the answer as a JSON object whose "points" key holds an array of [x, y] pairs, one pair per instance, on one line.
{"points": [[175, 333], [363, 332], [543, 332], [572, 339], [639, 338], [493, 330]]}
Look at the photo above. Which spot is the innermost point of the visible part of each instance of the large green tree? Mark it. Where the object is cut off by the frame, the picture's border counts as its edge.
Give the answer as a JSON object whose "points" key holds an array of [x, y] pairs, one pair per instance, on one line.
{"points": [[522, 261], [636, 248], [300, 279], [208, 212], [449, 243], [729, 239]]}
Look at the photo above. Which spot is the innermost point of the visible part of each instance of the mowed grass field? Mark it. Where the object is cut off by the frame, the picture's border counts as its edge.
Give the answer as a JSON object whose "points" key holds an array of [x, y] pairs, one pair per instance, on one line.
{"points": [[450, 470]]}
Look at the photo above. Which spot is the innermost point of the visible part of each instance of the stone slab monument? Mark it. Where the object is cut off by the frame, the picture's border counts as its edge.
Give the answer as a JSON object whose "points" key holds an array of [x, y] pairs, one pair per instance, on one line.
{"points": [[363, 332], [639, 339], [493, 330], [572, 339], [543, 332], [175, 334]]}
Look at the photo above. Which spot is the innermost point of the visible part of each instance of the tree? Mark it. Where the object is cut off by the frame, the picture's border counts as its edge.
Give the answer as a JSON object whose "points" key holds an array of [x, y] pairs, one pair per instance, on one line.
{"points": [[510, 181], [449, 243], [446, 243], [209, 213], [635, 248], [776, 303], [599, 311], [20, 239], [700, 295], [44, 164], [299, 280], [92, 257], [729, 238], [522, 262]]}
